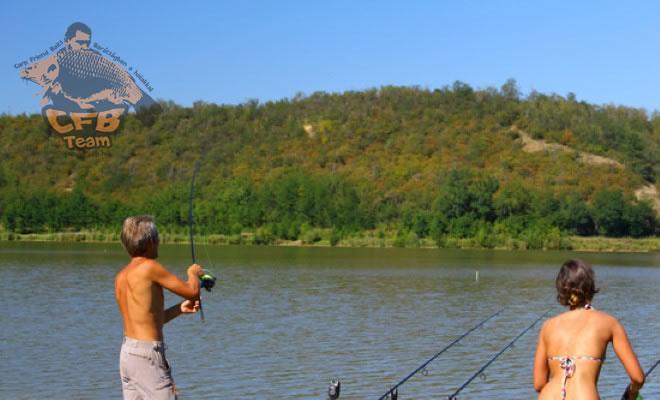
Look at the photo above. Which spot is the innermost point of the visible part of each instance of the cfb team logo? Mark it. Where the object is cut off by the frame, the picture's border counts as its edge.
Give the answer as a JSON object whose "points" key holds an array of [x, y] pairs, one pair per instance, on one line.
{"points": [[86, 95]]}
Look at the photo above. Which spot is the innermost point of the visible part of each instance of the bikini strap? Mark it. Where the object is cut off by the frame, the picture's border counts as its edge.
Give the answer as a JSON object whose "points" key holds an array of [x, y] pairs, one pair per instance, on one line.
{"points": [[568, 365], [588, 358]]}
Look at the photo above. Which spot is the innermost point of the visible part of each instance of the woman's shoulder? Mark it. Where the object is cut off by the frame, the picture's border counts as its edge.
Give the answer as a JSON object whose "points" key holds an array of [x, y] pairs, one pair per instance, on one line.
{"points": [[551, 322], [581, 313], [603, 316], [594, 315]]}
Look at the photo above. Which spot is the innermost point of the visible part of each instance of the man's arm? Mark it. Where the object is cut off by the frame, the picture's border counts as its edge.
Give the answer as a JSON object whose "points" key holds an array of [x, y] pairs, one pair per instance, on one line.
{"points": [[185, 307], [189, 290]]}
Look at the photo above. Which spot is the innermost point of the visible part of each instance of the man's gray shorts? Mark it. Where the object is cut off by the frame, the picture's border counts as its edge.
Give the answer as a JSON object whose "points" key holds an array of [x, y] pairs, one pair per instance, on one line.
{"points": [[145, 372]]}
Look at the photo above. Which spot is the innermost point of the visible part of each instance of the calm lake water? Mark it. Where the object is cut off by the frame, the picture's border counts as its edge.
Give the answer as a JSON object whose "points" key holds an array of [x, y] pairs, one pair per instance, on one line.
{"points": [[282, 322]]}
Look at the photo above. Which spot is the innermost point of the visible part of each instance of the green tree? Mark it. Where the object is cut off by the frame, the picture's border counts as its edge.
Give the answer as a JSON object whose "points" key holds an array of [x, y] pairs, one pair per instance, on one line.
{"points": [[510, 90], [454, 199], [641, 219], [12, 216], [438, 225], [111, 213], [482, 192], [513, 199], [608, 210], [574, 216], [420, 224], [78, 210]]}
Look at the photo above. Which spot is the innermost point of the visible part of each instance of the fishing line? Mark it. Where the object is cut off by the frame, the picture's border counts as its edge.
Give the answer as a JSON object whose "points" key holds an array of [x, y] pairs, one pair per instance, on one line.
{"points": [[625, 393], [480, 372], [209, 258], [422, 367], [207, 280]]}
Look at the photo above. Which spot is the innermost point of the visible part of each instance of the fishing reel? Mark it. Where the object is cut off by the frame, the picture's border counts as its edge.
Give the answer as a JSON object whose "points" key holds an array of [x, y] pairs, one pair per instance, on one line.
{"points": [[626, 395], [208, 280], [394, 394], [333, 389]]}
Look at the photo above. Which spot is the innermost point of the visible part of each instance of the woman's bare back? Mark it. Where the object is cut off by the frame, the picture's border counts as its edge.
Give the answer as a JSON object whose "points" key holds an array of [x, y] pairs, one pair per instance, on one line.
{"points": [[574, 345], [576, 342]]}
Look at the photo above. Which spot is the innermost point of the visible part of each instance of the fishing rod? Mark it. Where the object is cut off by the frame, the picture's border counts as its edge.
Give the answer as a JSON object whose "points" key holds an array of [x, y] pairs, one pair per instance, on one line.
{"points": [[480, 372], [190, 224], [393, 391], [207, 280], [625, 394]]}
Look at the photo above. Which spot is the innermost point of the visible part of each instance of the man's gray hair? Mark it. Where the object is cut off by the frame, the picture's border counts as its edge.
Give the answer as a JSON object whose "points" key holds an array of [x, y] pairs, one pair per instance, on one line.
{"points": [[136, 233]]}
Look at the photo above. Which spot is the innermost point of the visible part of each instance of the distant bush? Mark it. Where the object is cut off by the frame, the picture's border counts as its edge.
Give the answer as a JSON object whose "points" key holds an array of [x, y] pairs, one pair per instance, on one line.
{"points": [[335, 237]]}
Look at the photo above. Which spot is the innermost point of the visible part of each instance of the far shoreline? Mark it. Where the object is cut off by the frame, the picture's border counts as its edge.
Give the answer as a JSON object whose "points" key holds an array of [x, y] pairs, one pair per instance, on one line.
{"points": [[571, 243]]}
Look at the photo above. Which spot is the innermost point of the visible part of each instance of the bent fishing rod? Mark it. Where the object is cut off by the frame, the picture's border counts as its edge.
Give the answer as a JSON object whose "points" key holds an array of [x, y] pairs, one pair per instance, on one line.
{"points": [[207, 280], [480, 372], [625, 393], [393, 391]]}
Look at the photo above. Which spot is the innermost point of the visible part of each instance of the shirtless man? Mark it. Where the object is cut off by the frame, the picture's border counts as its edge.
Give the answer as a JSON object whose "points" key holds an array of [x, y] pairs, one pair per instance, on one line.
{"points": [[145, 372], [572, 345]]}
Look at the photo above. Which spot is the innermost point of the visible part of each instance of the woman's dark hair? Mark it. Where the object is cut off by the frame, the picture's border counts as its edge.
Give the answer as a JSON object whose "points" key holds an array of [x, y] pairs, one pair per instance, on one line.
{"points": [[576, 284]]}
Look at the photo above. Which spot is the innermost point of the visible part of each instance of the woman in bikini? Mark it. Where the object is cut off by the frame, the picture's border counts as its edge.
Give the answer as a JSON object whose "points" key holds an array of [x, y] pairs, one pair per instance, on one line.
{"points": [[572, 345]]}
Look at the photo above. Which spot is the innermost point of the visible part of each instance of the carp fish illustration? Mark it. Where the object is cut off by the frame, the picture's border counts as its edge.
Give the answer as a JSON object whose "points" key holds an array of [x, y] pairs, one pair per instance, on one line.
{"points": [[86, 79]]}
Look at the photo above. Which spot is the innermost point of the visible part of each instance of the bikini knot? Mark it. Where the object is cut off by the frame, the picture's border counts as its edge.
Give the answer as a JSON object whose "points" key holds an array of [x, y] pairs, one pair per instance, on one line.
{"points": [[568, 365]]}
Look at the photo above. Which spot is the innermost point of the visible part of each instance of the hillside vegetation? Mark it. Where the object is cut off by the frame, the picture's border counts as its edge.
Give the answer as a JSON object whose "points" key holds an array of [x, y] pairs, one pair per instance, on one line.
{"points": [[445, 166]]}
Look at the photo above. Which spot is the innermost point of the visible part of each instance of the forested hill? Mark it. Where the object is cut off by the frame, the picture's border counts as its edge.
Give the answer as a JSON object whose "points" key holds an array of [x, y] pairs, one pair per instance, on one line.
{"points": [[453, 162]]}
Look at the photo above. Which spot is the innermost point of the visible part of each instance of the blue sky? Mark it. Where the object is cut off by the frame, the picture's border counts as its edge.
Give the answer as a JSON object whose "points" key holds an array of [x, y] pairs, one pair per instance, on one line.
{"points": [[229, 52]]}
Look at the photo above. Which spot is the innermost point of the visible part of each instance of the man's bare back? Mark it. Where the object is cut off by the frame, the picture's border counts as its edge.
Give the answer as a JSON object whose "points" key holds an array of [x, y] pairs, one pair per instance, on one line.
{"points": [[139, 293]]}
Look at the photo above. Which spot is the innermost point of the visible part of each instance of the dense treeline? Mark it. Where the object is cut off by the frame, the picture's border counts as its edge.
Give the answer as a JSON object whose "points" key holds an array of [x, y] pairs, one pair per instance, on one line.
{"points": [[401, 161], [291, 206]]}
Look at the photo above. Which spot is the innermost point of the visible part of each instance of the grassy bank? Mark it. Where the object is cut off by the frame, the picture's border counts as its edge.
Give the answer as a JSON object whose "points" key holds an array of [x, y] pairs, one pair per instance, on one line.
{"points": [[615, 244], [318, 237]]}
